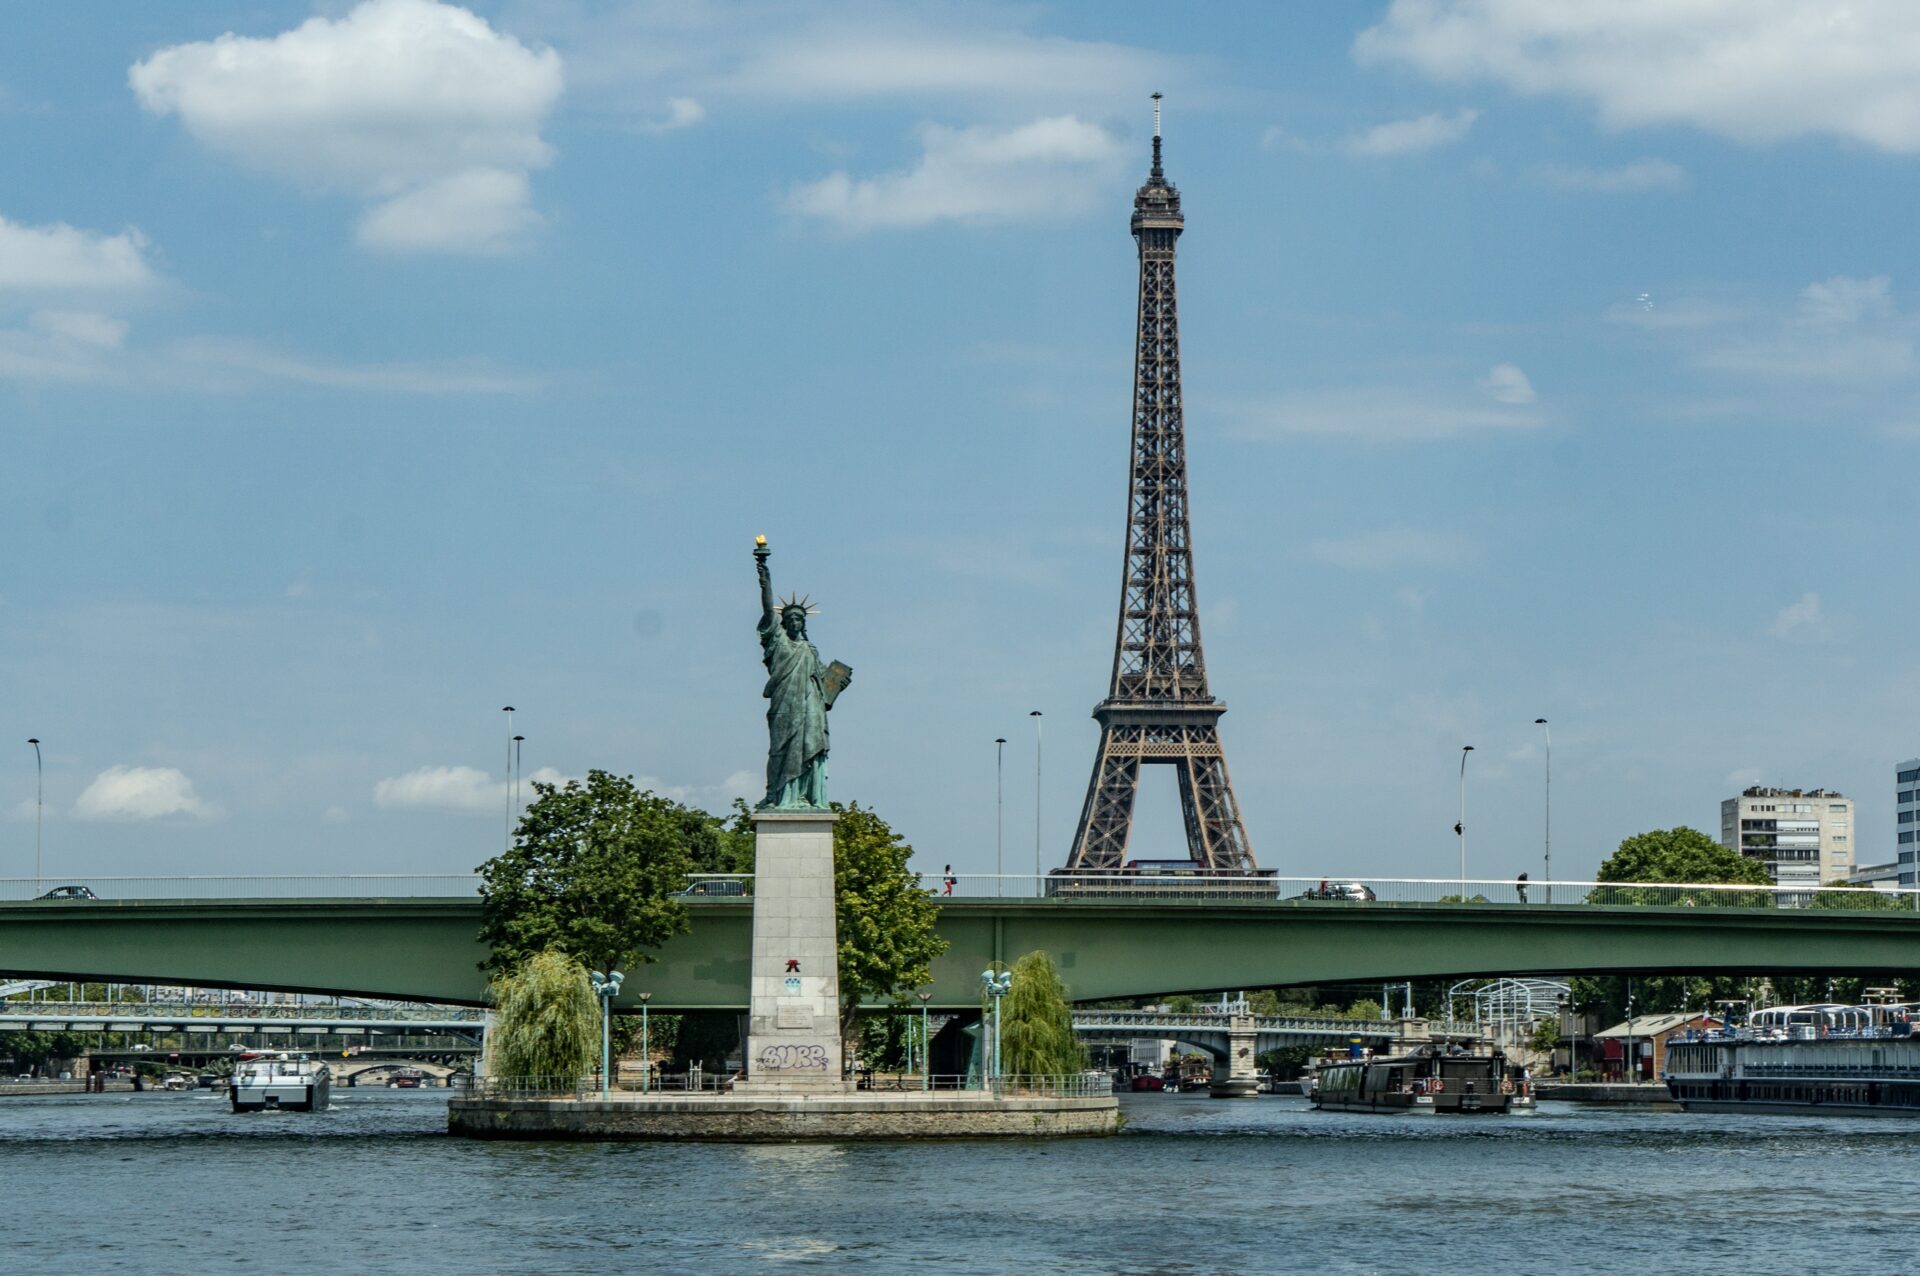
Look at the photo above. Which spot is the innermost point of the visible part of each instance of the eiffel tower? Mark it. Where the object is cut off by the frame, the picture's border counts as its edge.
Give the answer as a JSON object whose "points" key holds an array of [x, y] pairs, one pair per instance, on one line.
{"points": [[1158, 709]]}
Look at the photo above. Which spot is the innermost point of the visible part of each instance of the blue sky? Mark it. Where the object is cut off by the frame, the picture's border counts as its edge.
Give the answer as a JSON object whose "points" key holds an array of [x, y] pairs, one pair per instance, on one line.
{"points": [[365, 368]]}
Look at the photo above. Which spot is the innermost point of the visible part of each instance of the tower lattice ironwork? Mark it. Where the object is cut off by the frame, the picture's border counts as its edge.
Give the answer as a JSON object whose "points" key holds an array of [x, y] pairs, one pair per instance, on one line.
{"points": [[1158, 708]]}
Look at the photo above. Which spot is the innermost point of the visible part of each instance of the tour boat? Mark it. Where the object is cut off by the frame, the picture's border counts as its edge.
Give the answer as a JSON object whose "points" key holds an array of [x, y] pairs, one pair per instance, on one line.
{"points": [[288, 1082], [1427, 1080], [1831, 1059]]}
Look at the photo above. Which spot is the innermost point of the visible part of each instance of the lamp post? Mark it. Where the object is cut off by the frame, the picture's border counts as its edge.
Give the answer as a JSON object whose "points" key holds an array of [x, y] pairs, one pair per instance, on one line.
{"points": [[606, 987], [507, 818], [926, 1045], [646, 1055], [516, 773], [1037, 743], [1633, 1064], [39, 808], [1000, 809], [1542, 724], [993, 986], [1460, 829]]}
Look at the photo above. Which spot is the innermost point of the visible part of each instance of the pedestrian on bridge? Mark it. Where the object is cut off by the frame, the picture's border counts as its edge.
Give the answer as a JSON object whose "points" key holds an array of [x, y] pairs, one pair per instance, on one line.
{"points": [[1520, 885]]}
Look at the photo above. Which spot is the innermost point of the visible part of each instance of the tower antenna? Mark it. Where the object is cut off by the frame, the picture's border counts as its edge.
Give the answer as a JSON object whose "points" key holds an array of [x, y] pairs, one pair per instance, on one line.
{"points": [[1156, 135]]}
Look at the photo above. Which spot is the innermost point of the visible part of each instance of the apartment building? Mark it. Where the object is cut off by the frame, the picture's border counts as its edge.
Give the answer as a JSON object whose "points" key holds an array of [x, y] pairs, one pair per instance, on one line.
{"points": [[1906, 794], [1804, 836]]}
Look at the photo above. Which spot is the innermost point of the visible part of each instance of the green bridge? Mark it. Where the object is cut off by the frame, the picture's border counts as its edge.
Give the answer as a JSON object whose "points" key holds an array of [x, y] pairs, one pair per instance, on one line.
{"points": [[422, 946]]}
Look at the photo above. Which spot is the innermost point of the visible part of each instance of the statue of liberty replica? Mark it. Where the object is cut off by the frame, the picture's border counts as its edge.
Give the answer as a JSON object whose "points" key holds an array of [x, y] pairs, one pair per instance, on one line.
{"points": [[799, 692]]}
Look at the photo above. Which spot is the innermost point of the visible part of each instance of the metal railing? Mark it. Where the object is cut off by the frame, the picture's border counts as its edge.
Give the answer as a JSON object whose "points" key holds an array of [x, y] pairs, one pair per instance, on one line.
{"points": [[1343, 890], [1306, 1025], [191, 889], [1072, 1085], [269, 1013]]}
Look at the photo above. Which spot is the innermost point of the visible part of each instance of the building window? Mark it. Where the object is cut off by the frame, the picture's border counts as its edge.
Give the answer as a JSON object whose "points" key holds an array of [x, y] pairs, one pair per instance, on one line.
{"points": [[1907, 777], [1837, 806], [1906, 817], [1906, 837]]}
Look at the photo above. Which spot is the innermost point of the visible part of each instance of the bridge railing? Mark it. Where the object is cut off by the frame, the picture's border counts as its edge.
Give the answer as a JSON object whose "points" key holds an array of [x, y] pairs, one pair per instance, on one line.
{"points": [[339, 886], [270, 1012], [1342, 890], [1348, 890], [1150, 1021]]}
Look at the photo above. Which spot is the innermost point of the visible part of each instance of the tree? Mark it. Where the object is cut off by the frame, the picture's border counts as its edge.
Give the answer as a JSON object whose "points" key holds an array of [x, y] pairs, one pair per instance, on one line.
{"points": [[592, 873], [546, 1020], [1036, 1022], [1681, 855], [1861, 899], [886, 921]]}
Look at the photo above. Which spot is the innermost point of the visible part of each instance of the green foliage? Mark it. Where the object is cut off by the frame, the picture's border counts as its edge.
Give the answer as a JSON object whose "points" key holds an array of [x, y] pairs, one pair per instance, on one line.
{"points": [[1365, 1008], [1862, 899], [1183, 1005], [592, 873], [547, 1020], [40, 1049], [886, 921], [1680, 855], [1546, 1036], [1036, 1025], [706, 1037]]}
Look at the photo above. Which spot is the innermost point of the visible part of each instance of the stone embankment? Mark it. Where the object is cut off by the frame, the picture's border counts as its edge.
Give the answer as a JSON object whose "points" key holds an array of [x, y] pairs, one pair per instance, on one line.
{"points": [[18, 1089], [1613, 1092], [750, 1119]]}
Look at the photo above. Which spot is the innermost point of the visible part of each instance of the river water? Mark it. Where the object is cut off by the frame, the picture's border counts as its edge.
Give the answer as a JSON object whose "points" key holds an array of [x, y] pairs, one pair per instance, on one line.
{"points": [[166, 1183]]}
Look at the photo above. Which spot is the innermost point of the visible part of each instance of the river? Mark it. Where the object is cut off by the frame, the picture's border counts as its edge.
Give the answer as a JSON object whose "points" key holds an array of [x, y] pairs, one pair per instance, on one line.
{"points": [[166, 1183]]}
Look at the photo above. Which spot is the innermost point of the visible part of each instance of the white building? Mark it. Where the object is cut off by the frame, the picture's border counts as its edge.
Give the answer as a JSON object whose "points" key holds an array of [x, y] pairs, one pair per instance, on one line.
{"points": [[1803, 836], [1906, 784]]}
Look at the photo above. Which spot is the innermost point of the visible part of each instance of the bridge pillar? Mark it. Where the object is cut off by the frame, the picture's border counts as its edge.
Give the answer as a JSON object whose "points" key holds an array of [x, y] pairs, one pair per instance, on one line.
{"points": [[1240, 1078], [793, 1020]]}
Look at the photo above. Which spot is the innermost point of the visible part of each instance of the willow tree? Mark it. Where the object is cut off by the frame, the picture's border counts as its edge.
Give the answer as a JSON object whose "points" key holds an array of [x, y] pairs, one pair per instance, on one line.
{"points": [[1036, 1022], [546, 1021]]}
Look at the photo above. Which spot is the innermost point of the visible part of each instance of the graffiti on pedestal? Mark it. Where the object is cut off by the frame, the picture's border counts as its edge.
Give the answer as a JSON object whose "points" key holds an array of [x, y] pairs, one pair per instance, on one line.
{"points": [[793, 1059]]}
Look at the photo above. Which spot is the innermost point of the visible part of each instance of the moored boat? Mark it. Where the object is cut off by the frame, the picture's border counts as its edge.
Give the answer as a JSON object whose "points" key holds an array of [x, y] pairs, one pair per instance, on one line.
{"points": [[1428, 1080], [284, 1081], [1828, 1058]]}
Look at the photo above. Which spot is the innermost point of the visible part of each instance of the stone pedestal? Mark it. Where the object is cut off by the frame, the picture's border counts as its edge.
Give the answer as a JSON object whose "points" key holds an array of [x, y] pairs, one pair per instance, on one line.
{"points": [[1239, 1078], [793, 1024]]}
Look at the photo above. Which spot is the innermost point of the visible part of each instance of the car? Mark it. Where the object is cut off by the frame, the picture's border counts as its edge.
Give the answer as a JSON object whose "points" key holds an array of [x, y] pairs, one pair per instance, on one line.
{"points": [[715, 888], [70, 892], [1356, 892], [141, 1047]]}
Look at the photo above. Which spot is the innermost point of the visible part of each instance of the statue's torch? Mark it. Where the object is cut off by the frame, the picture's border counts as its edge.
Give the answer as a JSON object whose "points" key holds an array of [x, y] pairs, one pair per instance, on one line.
{"points": [[760, 549]]}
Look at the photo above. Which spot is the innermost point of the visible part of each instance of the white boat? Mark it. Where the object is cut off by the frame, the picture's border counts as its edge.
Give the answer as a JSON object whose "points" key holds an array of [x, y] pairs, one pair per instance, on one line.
{"points": [[291, 1082]]}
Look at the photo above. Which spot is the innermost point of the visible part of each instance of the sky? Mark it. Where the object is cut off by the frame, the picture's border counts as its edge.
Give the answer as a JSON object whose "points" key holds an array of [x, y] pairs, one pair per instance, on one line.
{"points": [[367, 367]]}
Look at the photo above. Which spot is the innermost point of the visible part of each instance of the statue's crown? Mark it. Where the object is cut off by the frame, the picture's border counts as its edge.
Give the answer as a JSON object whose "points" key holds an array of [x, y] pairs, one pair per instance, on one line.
{"points": [[803, 605]]}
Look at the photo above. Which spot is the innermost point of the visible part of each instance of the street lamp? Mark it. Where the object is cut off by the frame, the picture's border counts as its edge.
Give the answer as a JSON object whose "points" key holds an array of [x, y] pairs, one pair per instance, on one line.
{"points": [[1542, 724], [926, 1050], [39, 808], [1037, 742], [508, 817], [1000, 810], [993, 986], [1460, 829], [646, 1055], [606, 987], [516, 773]]}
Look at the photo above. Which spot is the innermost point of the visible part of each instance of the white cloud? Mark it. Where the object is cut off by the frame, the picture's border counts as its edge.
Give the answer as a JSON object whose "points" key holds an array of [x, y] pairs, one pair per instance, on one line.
{"points": [[1392, 547], [420, 107], [455, 788], [1505, 383], [1377, 414], [1640, 175], [682, 112], [1844, 331], [140, 793], [63, 259], [1753, 70], [1800, 621], [481, 210], [1050, 167], [1403, 137]]}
